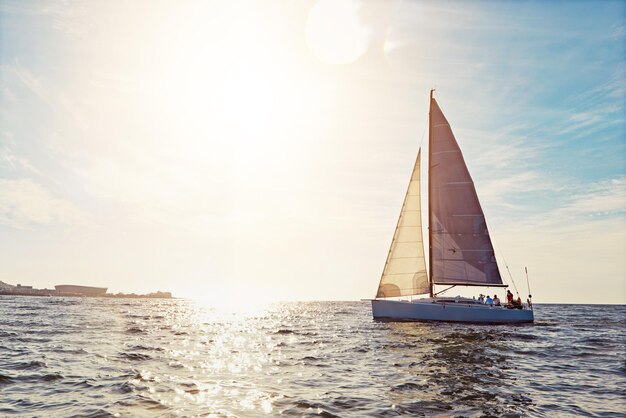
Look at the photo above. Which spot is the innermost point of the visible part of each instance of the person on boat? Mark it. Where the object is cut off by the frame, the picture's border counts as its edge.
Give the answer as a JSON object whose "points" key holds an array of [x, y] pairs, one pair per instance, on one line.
{"points": [[496, 300], [509, 297], [489, 301], [481, 298], [517, 303], [529, 301]]}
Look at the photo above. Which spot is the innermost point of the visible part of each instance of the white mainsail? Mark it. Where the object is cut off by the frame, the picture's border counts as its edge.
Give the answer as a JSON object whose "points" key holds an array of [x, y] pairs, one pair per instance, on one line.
{"points": [[461, 249], [405, 269]]}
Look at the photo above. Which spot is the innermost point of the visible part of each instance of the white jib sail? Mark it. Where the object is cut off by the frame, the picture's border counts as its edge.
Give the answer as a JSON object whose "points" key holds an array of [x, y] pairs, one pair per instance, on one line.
{"points": [[405, 268]]}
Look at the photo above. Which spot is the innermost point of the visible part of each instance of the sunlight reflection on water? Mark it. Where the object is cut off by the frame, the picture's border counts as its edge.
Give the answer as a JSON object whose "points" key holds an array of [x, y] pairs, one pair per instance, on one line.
{"points": [[182, 358]]}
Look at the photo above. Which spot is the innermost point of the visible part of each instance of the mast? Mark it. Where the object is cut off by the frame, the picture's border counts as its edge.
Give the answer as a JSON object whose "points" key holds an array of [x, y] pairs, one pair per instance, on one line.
{"points": [[430, 235]]}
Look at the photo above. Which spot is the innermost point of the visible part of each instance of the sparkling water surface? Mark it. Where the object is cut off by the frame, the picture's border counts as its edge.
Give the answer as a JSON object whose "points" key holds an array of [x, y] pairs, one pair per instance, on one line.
{"points": [[132, 358]]}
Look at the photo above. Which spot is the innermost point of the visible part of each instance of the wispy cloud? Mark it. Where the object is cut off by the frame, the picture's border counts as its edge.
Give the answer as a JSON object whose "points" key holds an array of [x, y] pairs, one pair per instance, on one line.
{"points": [[603, 198], [31, 81], [592, 120], [619, 31], [25, 204], [599, 201], [498, 189], [14, 162], [573, 249]]}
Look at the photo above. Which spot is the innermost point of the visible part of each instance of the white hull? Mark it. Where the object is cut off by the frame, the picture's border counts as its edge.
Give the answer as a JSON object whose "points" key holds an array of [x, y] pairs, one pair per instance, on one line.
{"points": [[449, 311]]}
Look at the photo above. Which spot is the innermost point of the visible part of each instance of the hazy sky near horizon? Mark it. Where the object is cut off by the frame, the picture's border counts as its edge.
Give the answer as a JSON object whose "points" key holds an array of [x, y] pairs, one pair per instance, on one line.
{"points": [[223, 148]]}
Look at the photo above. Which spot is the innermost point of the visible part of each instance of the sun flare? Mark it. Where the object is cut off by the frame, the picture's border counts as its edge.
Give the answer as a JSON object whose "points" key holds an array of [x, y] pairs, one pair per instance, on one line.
{"points": [[235, 304], [334, 32]]}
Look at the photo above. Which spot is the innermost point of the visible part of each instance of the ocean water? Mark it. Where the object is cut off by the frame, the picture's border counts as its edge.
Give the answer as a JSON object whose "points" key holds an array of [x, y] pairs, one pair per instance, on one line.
{"points": [[131, 358]]}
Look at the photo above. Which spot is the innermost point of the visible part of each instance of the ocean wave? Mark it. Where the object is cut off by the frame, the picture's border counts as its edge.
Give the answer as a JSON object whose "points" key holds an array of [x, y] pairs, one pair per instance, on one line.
{"points": [[173, 359], [135, 356]]}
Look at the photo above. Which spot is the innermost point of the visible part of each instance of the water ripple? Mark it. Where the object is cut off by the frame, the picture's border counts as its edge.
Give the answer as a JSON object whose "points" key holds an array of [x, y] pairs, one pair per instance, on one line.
{"points": [[108, 357]]}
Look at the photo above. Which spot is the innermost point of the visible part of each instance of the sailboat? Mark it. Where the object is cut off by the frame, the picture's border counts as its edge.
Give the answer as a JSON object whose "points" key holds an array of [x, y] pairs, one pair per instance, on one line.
{"points": [[460, 251]]}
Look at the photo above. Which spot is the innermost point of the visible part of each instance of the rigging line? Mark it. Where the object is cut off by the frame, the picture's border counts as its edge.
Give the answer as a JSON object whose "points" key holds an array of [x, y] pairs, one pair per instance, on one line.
{"points": [[511, 276], [507, 267], [493, 244], [446, 289], [423, 133]]}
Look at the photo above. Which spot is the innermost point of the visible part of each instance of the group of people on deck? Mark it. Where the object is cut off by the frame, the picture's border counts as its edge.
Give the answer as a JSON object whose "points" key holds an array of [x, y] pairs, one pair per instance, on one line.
{"points": [[487, 300], [511, 302]]}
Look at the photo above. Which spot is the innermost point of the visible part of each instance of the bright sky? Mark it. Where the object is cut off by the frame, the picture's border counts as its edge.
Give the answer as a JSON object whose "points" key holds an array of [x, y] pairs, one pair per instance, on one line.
{"points": [[263, 148]]}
